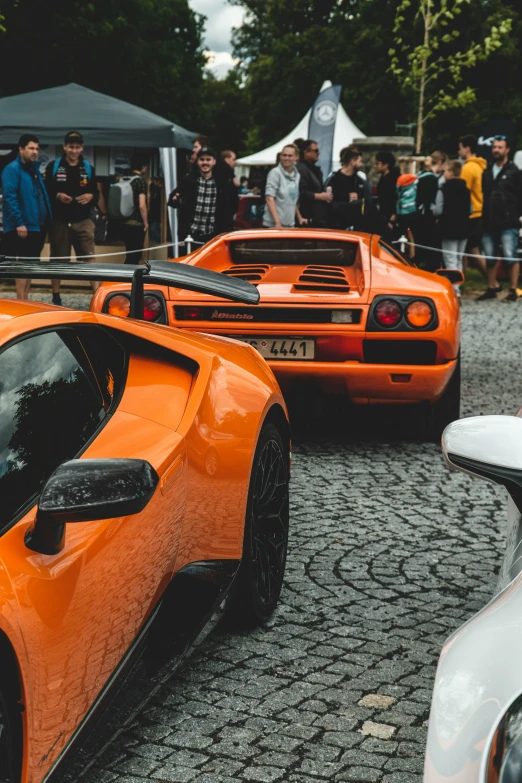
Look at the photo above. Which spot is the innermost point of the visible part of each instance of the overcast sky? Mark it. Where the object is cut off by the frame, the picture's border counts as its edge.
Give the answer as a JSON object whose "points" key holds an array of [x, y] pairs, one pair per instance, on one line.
{"points": [[221, 18]]}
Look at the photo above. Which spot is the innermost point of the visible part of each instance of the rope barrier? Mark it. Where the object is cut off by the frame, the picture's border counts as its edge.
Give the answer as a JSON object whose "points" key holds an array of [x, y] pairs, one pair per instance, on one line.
{"points": [[98, 255], [188, 243], [403, 241]]}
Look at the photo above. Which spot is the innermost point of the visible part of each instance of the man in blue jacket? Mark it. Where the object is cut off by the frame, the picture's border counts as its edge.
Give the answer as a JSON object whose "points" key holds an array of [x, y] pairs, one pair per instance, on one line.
{"points": [[26, 207]]}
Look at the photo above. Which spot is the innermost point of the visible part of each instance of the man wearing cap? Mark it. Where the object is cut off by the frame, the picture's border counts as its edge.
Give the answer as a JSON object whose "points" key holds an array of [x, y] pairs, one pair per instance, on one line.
{"points": [[207, 200], [71, 185]]}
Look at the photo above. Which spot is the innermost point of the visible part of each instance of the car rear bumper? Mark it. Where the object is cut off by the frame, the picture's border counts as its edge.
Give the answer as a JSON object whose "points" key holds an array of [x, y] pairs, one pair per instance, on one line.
{"points": [[369, 383]]}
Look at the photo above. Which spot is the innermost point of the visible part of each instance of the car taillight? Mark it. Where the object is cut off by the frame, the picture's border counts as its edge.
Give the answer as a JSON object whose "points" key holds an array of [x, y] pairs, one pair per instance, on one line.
{"points": [[119, 305], [151, 308], [419, 314], [191, 313], [388, 313]]}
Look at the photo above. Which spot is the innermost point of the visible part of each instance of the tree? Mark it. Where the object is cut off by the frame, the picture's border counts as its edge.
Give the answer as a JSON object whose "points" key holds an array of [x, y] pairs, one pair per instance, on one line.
{"points": [[148, 52], [287, 48], [434, 69]]}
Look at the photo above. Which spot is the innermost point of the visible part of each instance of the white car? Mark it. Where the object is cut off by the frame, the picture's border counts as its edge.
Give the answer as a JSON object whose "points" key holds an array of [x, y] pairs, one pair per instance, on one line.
{"points": [[475, 727]]}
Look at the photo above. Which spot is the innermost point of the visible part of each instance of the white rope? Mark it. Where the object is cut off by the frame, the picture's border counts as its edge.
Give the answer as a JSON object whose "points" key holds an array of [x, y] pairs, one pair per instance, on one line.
{"points": [[91, 257], [452, 252]]}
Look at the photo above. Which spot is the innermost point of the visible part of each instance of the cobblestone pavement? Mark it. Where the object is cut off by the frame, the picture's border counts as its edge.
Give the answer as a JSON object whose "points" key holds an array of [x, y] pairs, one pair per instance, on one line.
{"points": [[389, 553]]}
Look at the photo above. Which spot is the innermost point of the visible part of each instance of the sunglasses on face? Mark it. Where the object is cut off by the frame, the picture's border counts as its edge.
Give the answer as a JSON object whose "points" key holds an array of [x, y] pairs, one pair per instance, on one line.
{"points": [[313, 149]]}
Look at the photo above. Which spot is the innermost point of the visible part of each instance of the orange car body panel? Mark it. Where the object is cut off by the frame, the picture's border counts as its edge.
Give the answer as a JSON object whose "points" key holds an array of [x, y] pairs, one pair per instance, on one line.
{"points": [[339, 365], [195, 414]]}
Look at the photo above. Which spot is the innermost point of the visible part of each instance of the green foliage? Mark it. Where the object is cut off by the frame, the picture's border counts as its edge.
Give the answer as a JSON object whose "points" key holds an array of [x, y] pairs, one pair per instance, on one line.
{"points": [[147, 52], [434, 69], [288, 48]]}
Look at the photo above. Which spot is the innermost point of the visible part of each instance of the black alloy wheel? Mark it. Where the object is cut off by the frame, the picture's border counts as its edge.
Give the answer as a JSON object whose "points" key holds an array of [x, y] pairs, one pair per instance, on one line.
{"points": [[256, 590]]}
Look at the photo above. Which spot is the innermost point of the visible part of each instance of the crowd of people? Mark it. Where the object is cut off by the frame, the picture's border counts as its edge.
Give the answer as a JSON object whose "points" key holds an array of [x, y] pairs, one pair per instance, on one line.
{"points": [[454, 209]]}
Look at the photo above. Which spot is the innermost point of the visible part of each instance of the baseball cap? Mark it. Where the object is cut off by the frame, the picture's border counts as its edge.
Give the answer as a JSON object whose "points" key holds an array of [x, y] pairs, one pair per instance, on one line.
{"points": [[206, 152], [73, 137]]}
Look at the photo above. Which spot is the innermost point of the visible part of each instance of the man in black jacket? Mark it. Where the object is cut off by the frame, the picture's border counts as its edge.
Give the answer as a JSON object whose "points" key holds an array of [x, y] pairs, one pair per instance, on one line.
{"points": [[206, 200], [501, 217], [313, 199], [71, 185]]}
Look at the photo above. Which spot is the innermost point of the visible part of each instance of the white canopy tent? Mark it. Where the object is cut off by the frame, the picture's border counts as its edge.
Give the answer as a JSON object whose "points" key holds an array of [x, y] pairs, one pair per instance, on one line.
{"points": [[344, 134]]}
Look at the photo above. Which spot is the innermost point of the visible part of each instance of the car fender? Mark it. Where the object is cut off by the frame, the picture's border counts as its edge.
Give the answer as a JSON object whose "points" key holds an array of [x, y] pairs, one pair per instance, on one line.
{"points": [[477, 675]]}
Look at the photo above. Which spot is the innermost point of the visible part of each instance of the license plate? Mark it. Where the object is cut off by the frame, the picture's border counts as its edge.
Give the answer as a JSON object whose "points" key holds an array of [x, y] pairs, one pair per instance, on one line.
{"points": [[277, 348]]}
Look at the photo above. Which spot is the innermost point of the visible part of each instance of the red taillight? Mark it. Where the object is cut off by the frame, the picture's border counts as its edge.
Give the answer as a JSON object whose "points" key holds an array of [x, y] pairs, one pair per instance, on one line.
{"points": [[388, 313], [151, 308], [191, 313]]}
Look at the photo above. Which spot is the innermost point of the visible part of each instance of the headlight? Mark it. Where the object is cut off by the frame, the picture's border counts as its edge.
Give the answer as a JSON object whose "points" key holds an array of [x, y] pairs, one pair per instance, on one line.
{"points": [[502, 762]]}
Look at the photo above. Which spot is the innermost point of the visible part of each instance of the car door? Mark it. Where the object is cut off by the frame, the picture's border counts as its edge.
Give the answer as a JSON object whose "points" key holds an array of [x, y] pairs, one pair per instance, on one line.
{"points": [[81, 609]]}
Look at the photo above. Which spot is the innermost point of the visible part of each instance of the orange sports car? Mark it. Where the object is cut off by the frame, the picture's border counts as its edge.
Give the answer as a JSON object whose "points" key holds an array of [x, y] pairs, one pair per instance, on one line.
{"points": [[144, 480], [340, 311]]}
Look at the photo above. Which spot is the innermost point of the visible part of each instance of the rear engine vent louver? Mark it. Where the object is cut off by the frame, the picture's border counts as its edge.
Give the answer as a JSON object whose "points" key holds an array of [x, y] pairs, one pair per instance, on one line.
{"points": [[328, 279], [251, 272]]}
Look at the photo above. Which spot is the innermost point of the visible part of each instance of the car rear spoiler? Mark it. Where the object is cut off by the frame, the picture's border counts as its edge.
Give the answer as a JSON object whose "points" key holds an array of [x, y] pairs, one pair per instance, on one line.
{"points": [[170, 273]]}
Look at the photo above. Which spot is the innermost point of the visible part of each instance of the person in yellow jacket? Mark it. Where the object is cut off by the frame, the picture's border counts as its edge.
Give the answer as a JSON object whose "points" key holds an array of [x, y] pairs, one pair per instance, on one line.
{"points": [[472, 169]]}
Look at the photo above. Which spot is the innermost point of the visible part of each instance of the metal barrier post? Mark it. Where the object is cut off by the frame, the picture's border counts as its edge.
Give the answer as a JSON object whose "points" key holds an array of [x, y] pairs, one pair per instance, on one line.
{"points": [[188, 244]]}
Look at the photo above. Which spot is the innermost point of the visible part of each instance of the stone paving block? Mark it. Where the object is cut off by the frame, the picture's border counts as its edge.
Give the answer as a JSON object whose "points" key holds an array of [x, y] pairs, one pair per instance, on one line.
{"points": [[366, 605], [263, 774]]}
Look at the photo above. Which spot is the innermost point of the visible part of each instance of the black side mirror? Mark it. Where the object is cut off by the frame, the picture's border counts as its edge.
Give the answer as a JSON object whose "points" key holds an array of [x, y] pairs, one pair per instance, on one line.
{"points": [[455, 276], [84, 490]]}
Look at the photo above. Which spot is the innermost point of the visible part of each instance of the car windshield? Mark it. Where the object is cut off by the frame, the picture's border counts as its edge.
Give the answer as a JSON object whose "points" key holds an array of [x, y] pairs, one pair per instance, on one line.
{"points": [[294, 251]]}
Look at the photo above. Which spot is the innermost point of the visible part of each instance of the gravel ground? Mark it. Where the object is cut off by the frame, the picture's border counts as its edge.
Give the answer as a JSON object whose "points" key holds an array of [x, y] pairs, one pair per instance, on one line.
{"points": [[382, 567]]}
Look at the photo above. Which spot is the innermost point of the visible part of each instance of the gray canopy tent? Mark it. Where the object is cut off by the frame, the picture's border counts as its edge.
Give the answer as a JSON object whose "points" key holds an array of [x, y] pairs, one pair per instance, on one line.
{"points": [[104, 121]]}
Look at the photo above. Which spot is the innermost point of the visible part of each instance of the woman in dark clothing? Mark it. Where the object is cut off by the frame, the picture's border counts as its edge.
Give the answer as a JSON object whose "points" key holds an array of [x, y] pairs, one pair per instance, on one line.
{"points": [[453, 208], [387, 186], [352, 197], [426, 232]]}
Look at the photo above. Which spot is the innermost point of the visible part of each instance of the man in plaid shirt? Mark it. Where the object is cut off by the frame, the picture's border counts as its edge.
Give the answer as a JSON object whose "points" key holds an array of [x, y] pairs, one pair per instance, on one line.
{"points": [[206, 200]]}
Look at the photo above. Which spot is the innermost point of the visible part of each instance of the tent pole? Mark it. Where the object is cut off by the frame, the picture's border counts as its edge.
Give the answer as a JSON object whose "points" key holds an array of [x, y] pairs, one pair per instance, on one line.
{"points": [[175, 221]]}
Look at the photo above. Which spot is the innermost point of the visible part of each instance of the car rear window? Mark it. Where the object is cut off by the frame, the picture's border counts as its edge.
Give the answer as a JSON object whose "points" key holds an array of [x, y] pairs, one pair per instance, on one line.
{"points": [[294, 251]]}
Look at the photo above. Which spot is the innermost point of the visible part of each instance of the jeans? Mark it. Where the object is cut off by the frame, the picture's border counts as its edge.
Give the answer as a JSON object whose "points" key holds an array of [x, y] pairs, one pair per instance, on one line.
{"points": [[452, 252], [509, 241]]}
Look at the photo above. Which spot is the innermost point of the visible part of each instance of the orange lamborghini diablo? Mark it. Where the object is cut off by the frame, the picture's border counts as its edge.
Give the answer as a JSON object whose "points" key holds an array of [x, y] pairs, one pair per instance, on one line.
{"points": [[144, 483], [341, 311]]}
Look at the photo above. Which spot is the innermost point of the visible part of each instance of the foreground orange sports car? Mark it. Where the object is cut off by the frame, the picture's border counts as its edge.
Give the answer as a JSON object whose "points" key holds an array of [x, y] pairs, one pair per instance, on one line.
{"points": [[144, 480], [339, 311]]}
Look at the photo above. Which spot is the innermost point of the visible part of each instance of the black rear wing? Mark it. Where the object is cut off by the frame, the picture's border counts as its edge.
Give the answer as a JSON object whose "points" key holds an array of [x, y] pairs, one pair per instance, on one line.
{"points": [[169, 273]]}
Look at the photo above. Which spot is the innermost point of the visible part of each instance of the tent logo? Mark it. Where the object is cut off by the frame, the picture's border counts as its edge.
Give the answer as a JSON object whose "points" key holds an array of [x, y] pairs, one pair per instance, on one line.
{"points": [[325, 112]]}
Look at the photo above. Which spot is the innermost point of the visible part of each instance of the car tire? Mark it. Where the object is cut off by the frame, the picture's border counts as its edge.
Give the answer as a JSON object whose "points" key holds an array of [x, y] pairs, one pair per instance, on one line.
{"points": [[10, 739], [255, 593], [447, 408]]}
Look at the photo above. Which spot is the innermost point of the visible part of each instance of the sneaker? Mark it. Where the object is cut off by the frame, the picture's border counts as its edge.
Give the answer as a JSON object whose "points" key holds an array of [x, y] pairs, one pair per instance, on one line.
{"points": [[512, 296], [57, 299], [490, 293]]}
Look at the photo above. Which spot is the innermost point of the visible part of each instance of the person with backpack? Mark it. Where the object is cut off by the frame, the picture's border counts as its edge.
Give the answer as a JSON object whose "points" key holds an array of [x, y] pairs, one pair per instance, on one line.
{"points": [[131, 194], [73, 192], [426, 230], [453, 208]]}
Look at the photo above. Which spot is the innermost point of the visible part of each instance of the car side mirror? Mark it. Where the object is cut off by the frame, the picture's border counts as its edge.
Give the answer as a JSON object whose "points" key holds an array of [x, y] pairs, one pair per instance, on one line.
{"points": [[85, 490], [455, 276], [489, 447]]}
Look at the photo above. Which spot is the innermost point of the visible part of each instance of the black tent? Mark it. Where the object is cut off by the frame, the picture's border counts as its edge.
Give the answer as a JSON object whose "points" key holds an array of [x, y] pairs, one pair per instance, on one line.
{"points": [[104, 121]]}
